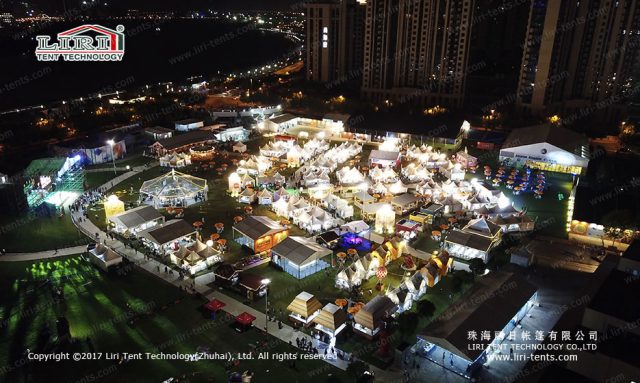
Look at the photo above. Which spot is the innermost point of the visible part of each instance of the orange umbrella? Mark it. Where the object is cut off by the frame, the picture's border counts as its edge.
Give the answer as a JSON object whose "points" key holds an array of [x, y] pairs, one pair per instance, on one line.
{"points": [[222, 242], [444, 227], [341, 302], [219, 225], [341, 255], [285, 222], [215, 236], [352, 252], [436, 233], [539, 192], [353, 310], [248, 209], [452, 220], [237, 219], [197, 224]]}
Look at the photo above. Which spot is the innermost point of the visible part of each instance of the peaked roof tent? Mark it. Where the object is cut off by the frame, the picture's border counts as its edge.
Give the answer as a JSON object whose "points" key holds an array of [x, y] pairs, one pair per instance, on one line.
{"points": [[283, 118], [174, 184], [488, 306], [375, 311], [554, 135], [299, 250], [255, 227], [384, 155], [331, 317], [136, 216], [483, 227], [304, 304], [169, 231]]}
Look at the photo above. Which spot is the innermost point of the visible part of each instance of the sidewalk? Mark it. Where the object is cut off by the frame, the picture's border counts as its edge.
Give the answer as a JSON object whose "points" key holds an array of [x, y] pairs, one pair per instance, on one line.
{"points": [[47, 254]]}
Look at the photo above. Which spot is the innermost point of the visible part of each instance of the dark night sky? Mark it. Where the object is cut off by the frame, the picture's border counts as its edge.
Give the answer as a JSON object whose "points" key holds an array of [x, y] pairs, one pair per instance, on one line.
{"points": [[164, 5]]}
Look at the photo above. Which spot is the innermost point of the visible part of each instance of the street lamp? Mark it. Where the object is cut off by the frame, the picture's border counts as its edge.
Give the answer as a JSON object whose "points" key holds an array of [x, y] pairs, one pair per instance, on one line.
{"points": [[266, 304], [111, 143]]}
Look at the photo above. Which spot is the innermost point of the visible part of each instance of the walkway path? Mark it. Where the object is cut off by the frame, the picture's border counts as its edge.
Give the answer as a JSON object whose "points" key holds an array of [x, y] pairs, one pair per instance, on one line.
{"points": [[17, 257]]}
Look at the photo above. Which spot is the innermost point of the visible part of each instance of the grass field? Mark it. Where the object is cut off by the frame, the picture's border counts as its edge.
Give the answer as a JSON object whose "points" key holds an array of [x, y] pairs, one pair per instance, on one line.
{"points": [[124, 312], [38, 231]]}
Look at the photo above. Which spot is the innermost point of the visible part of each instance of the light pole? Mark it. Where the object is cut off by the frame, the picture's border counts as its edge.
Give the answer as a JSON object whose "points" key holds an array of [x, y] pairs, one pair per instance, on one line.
{"points": [[266, 305], [113, 157]]}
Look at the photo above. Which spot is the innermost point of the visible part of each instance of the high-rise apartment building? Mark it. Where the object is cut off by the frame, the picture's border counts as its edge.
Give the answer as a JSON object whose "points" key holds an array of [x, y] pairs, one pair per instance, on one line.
{"points": [[417, 50], [334, 40], [579, 55]]}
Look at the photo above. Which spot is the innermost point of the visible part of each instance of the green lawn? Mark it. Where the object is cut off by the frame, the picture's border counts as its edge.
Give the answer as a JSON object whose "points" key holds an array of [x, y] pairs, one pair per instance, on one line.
{"points": [[130, 160], [95, 179], [39, 231], [159, 319]]}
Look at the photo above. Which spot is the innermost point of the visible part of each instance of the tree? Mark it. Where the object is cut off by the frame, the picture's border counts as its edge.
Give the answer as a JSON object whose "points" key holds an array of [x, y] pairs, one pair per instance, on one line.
{"points": [[477, 266], [408, 323], [426, 308]]}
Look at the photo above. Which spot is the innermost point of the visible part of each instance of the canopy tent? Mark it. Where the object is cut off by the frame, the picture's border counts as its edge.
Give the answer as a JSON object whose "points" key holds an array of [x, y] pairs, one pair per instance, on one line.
{"points": [[239, 147], [299, 256], [245, 319], [104, 257], [175, 160], [214, 305], [331, 319], [136, 219], [370, 319], [304, 307], [174, 189]]}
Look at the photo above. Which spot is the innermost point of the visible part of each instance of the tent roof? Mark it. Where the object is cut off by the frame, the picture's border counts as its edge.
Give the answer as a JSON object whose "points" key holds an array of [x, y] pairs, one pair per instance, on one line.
{"points": [[245, 318], [375, 311], [174, 184], [299, 250], [384, 155], [282, 118], [488, 306], [304, 304], [471, 240], [168, 231], [404, 199], [214, 305], [256, 226], [136, 216], [557, 136], [182, 139], [331, 317], [482, 226]]}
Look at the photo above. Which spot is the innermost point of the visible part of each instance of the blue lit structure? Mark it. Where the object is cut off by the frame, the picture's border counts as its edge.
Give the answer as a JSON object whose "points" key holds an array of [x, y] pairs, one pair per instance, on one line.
{"points": [[497, 303]]}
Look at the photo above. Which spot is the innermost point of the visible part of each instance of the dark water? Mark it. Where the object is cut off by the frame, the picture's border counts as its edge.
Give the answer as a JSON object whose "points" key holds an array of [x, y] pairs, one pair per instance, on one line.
{"points": [[182, 48]]}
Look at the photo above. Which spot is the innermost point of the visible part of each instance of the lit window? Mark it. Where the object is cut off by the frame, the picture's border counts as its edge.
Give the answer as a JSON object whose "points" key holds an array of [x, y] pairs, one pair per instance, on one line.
{"points": [[325, 44]]}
